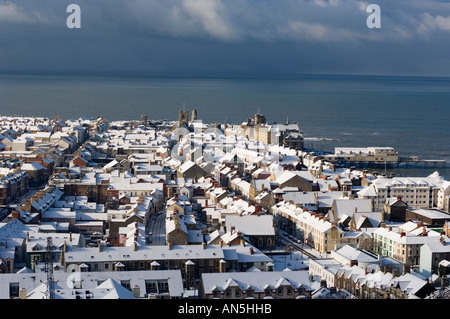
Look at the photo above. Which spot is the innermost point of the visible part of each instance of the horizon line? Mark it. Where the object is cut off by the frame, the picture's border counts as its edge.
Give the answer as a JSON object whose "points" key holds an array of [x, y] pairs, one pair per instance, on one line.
{"points": [[203, 74]]}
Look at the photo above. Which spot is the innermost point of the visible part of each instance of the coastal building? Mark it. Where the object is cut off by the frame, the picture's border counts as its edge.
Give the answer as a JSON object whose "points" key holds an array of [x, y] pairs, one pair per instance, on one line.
{"points": [[190, 169], [395, 209], [403, 243], [432, 254], [182, 229], [258, 229], [13, 236], [37, 250], [155, 284], [192, 260], [417, 192], [316, 230], [302, 180], [430, 217], [256, 285], [37, 173], [13, 185], [366, 284], [327, 268], [362, 155], [443, 201], [258, 129]]}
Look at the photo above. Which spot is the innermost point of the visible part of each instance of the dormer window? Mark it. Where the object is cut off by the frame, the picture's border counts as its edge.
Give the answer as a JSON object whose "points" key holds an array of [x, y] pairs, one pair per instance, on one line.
{"points": [[280, 291], [216, 293]]}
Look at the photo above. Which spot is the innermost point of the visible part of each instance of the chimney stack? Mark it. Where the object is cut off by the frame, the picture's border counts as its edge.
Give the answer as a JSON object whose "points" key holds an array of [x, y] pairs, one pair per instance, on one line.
{"points": [[23, 293], [136, 291], [406, 269], [15, 215], [28, 205]]}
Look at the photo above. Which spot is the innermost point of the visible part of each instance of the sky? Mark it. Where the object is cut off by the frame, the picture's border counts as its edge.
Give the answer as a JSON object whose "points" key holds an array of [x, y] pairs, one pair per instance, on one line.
{"points": [[225, 37]]}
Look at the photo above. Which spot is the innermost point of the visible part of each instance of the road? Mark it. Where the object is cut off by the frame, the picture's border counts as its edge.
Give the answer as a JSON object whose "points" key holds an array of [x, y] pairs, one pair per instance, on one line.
{"points": [[157, 228], [303, 248]]}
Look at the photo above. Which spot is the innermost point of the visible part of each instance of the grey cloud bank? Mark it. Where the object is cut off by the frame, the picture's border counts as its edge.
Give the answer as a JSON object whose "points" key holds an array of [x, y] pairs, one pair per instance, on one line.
{"points": [[185, 36]]}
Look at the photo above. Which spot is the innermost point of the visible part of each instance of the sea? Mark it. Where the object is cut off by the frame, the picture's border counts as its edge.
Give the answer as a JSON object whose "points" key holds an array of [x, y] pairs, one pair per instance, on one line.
{"points": [[408, 113]]}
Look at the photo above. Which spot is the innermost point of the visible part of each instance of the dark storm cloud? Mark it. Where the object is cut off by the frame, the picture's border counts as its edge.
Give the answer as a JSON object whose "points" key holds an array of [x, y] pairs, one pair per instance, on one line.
{"points": [[326, 36]]}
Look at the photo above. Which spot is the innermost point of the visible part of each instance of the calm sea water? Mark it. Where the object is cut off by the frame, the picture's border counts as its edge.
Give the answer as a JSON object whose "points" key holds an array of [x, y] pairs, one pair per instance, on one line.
{"points": [[411, 114]]}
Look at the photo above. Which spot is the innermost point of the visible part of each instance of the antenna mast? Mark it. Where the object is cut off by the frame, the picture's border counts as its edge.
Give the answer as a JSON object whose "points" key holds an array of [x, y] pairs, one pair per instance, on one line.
{"points": [[50, 292]]}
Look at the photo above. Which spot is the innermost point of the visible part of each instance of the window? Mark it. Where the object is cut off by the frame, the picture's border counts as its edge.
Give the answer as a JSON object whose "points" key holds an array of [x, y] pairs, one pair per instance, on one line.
{"points": [[163, 286], [14, 289], [260, 242], [126, 284], [151, 286]]}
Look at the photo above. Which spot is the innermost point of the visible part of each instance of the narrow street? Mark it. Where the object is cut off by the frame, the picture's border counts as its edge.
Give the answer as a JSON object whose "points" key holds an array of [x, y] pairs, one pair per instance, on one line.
{"points": [[157, 228], [290, 244]]}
